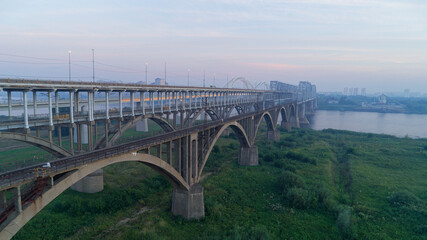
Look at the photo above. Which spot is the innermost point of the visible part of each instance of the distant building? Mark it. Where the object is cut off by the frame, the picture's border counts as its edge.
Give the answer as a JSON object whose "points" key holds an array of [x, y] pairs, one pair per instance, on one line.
{"points": [[350, 92], [382, 99], [159, 81], [356, 91], [345, 91], [406, 93], [363, 92]]}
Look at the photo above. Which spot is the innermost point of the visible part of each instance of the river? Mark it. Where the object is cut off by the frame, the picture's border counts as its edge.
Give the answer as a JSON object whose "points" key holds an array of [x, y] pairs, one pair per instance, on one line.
{"points": [[397, 124]]}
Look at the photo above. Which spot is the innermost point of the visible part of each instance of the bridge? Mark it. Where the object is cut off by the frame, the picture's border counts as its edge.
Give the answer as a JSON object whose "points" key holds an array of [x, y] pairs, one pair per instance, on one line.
{"points": [[97, 114]]}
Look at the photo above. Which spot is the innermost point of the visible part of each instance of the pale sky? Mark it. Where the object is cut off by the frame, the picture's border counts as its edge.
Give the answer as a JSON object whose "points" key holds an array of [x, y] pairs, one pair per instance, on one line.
{"points": [[377, 44]]}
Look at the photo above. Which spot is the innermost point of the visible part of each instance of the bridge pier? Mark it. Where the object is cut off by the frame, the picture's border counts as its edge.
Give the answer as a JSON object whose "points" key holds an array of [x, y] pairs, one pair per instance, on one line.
{"points": [[273, 135], [92, 183], [286, 125], [248, 156], [188, 203]]}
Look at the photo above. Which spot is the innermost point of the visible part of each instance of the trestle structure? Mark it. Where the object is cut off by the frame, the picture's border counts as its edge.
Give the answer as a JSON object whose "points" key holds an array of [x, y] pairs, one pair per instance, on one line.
{"points": [[192, 120]]}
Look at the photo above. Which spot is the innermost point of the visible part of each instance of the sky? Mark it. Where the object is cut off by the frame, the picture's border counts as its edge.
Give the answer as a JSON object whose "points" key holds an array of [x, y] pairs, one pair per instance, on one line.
{"points": [[380, 45]]}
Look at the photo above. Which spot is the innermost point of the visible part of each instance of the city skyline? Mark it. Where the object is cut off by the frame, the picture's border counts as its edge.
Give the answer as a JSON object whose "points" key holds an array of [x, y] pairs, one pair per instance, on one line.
{"points": [[333, 44]]}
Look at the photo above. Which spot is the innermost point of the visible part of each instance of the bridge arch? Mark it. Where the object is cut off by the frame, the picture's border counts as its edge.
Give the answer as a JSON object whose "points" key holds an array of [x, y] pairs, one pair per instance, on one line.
{"points": [[48, 196], [284, 114], [165, 125], [210, 111], [268, 120], [38, 142], [238, 108], [241, 136]]}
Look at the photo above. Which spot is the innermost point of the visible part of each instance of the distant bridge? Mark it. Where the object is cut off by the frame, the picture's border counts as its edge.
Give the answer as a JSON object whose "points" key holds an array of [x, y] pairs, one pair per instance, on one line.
{"points": [[179, 154]]}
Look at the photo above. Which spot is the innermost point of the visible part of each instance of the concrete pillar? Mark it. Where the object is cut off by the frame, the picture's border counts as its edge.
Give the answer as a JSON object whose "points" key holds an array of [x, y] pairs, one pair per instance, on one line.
{"points": [[107, 105], [188, 204], [70, 130], [71, 109], [24, 94], [248, 156], [273, 135], [121, 104], [18, 203], [142, 126], [170, 95], [190, 94], [92, 183], [160, 98], [152, 102], [59, 128], [76, 101], [9, 103], [142, 101], [49, 96], [3, 200], [90, 136], [106, 131], [56, 104], [35, 103], [132, 103], [286, 125]]}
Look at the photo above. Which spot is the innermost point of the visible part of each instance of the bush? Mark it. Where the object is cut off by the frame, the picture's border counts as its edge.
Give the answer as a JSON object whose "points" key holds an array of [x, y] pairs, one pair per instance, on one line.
{"points": [[421, 229], [403, 198], [300, 157], [299, 198], [290, 180]]}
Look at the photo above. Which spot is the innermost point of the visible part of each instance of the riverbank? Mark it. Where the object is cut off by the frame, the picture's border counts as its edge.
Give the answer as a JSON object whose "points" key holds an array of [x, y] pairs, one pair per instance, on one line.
{"points": [[311, 185]]}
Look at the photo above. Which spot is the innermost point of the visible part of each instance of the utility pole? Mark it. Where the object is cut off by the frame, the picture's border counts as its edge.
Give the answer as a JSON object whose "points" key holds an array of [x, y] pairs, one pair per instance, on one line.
{"points": [[165, 73]]}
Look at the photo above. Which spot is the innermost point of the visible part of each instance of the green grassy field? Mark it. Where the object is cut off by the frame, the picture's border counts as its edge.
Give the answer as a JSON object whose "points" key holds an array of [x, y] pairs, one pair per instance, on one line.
{"points": [[311, 185]]}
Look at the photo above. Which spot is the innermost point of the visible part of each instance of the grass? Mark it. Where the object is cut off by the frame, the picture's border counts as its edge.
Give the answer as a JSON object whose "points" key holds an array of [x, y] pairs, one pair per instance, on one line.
{"points": [[355, 186]]}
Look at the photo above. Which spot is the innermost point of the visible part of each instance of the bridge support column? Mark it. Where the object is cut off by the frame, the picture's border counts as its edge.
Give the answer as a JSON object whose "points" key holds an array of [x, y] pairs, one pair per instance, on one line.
{"points": [[92, 183], [273, 135], [189, 204], [248, 156], [3, 200], [142, 126], [18, 203], [286, 125]]}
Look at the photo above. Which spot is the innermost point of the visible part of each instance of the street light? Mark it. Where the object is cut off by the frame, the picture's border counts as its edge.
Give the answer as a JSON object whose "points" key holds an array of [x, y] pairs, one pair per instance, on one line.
{"points": [[69, 65]]}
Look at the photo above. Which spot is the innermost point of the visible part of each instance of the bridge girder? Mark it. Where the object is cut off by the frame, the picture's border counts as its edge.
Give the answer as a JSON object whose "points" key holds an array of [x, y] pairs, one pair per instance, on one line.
{"points": [[74, 176], [38, 142]]}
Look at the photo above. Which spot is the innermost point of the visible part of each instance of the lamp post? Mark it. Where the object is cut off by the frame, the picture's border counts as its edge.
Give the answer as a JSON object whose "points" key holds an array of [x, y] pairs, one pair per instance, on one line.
{"points": [[69, 65]]}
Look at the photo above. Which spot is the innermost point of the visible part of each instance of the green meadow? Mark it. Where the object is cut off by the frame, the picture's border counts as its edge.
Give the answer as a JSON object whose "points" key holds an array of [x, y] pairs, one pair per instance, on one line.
{"points": [[310, 185]]}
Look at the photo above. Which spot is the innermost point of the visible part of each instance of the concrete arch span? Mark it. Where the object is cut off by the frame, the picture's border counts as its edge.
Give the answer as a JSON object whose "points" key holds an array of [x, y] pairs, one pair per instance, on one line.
{"points": [[48, 196], [241, 135], [38, 142], [165, 125], [269, 121], [238, 108], [211, 113]]}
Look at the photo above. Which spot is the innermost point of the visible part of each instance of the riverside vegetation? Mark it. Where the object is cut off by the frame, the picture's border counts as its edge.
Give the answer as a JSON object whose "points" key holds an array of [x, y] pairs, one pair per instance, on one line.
{"points": [[310, 185]]}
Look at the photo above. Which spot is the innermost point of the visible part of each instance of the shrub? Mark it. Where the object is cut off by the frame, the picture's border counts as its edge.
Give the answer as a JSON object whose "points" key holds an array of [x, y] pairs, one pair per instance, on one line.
{"points": [[299, 198], [403, 198], [421, 229], [288, 180], [215, 149], [269, 157]]}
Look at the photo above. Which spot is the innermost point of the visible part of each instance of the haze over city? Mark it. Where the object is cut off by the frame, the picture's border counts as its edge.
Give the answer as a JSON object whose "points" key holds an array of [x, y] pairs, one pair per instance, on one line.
{"points": [[378, 45]]}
